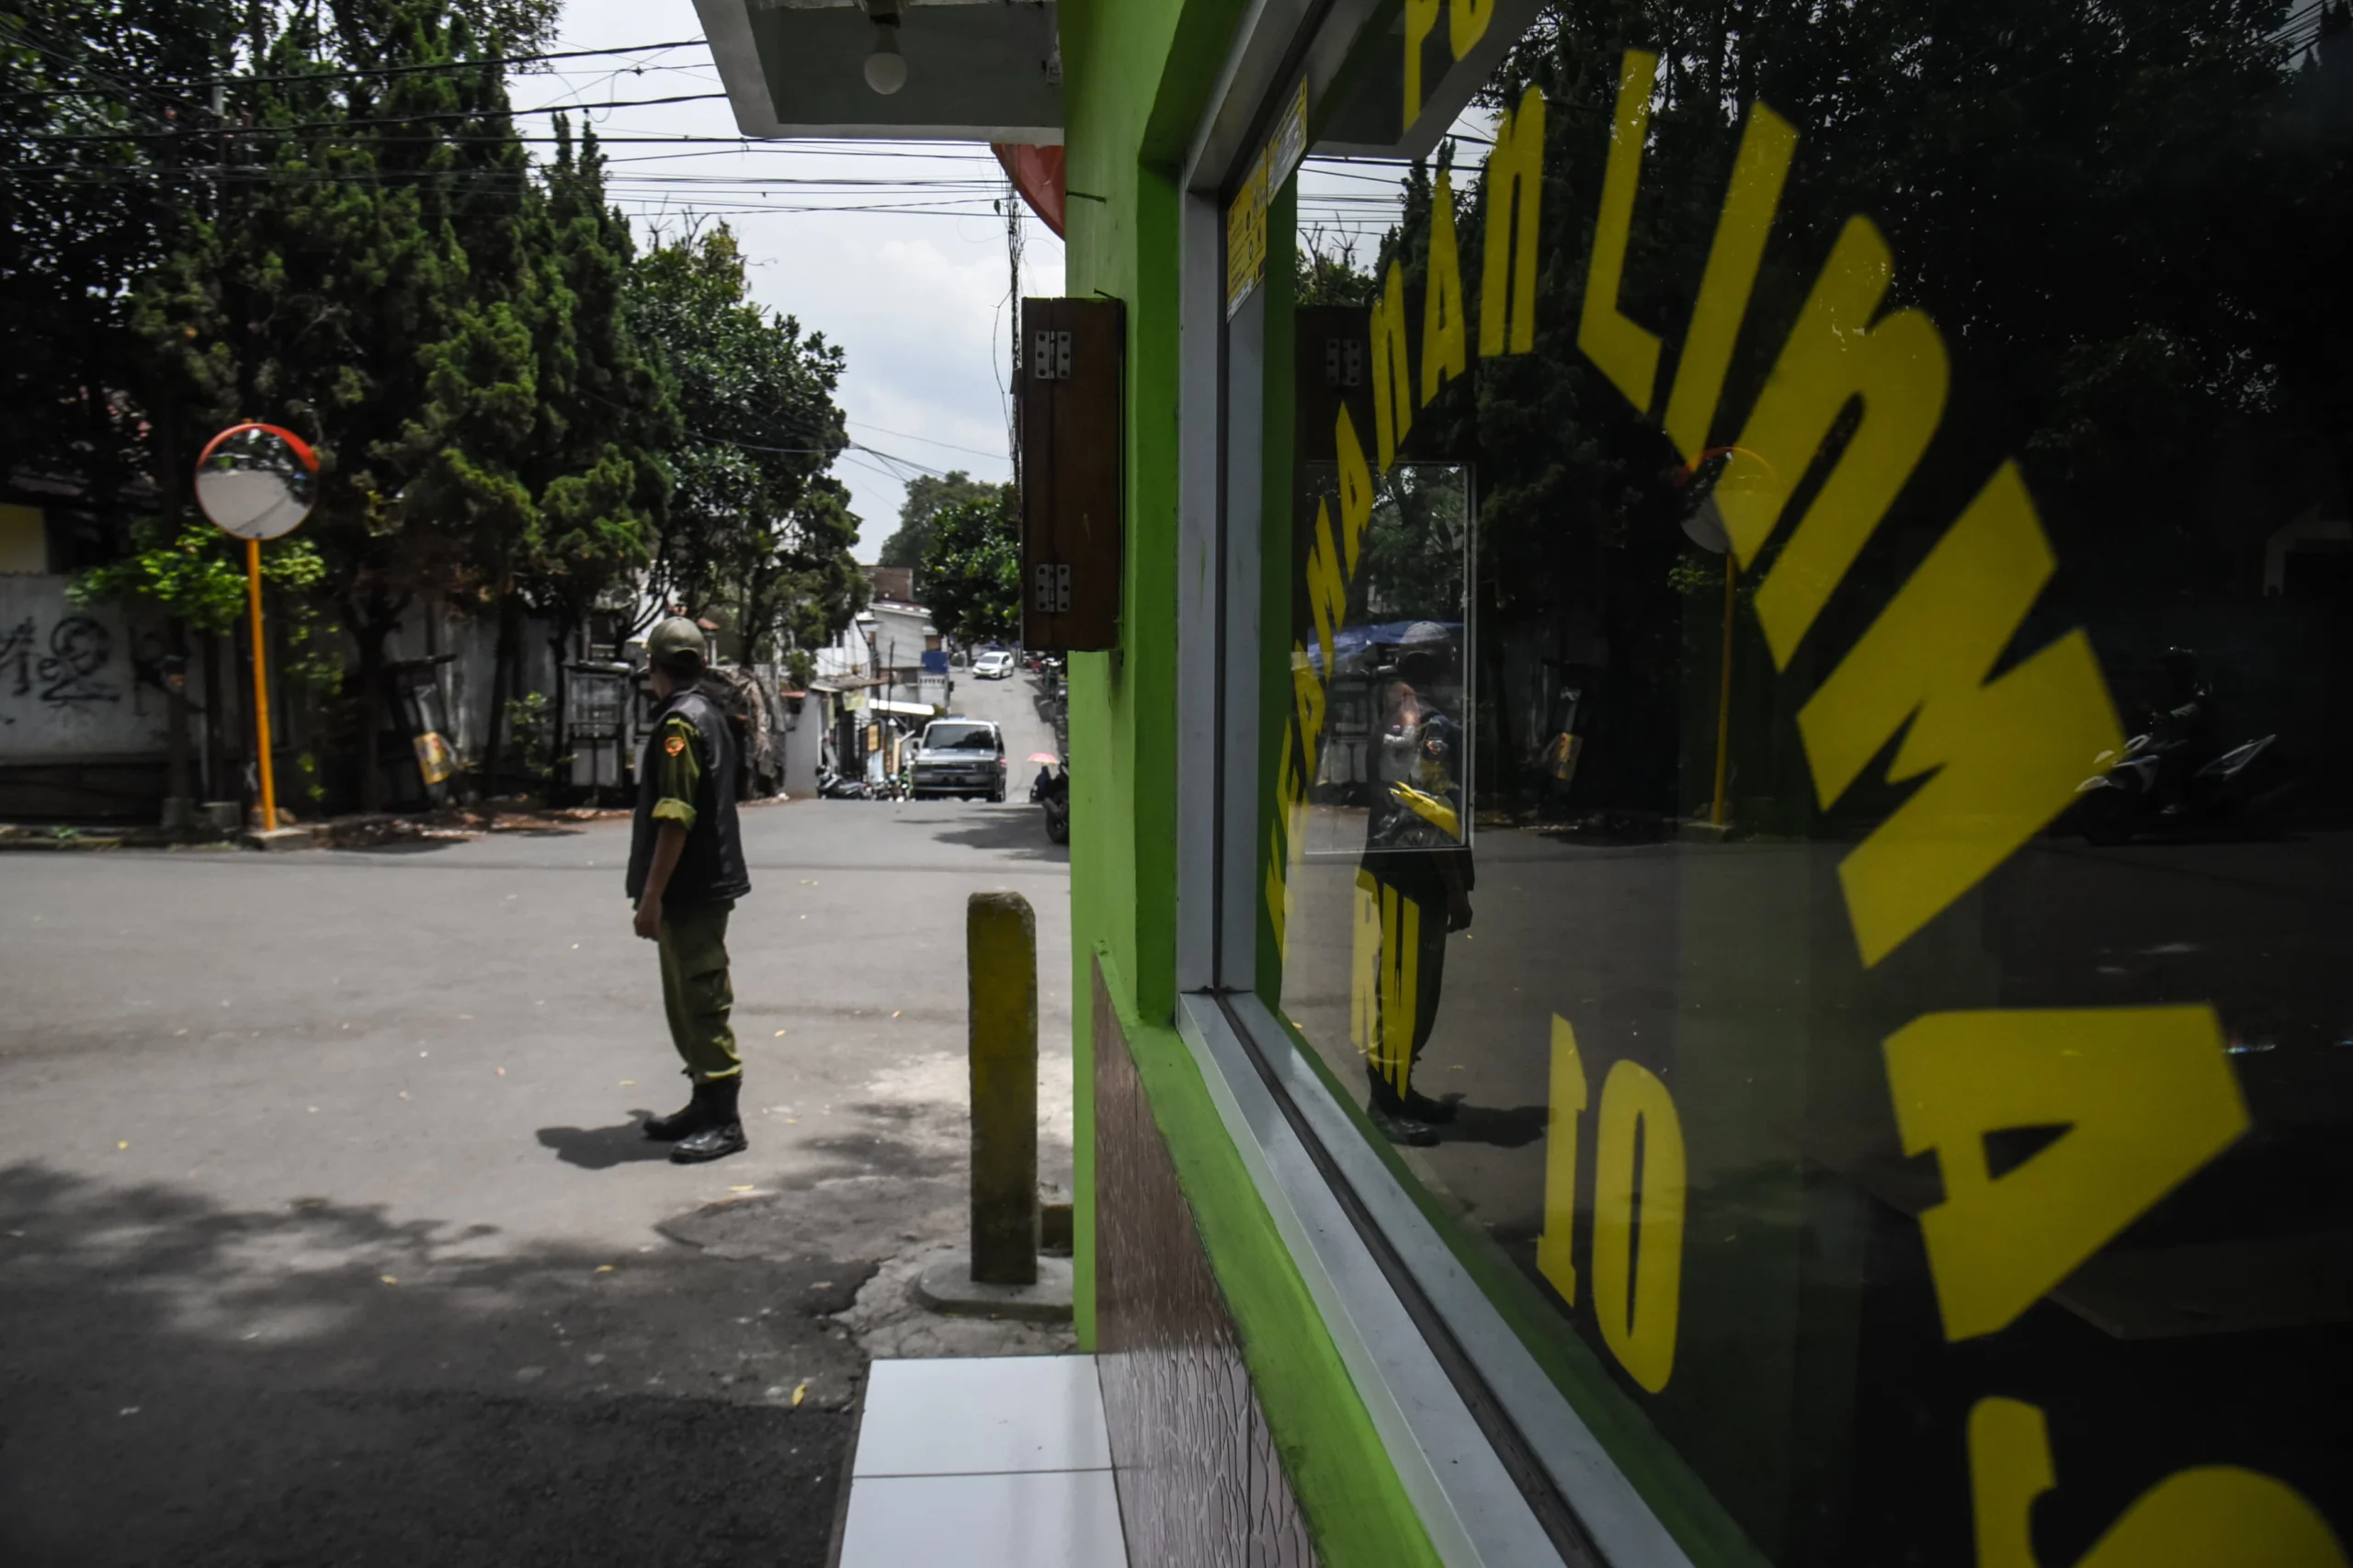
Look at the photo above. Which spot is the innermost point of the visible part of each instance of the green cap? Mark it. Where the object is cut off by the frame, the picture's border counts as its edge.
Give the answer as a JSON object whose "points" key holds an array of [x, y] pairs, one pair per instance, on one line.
{"points": [[675, 642]]}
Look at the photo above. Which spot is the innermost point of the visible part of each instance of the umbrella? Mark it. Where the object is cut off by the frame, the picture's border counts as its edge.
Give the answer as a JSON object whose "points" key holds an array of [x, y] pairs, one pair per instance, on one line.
{"points": [[1045, 757]]}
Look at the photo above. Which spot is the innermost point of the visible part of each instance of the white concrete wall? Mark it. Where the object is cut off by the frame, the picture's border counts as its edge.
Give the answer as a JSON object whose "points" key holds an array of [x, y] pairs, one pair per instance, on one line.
{"points": [[68, 690]]}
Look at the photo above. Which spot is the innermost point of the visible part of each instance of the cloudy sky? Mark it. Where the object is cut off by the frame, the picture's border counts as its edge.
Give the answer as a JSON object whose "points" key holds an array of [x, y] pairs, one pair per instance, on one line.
{"points": [[916, 296]]}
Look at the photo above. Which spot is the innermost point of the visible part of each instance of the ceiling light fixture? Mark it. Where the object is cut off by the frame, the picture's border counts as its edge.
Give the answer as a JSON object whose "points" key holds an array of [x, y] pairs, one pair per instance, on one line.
{"points": [[886, 68]]}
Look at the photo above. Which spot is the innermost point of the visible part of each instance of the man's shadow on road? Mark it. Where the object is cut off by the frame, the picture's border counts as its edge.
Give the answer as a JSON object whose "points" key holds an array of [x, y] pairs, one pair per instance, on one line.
{"points": [[602, 1148]]}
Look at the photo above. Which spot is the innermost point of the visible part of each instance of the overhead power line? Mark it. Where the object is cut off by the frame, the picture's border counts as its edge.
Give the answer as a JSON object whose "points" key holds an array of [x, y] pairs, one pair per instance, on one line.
{"points": [[370, 74], [429, 117], [464, 65]]}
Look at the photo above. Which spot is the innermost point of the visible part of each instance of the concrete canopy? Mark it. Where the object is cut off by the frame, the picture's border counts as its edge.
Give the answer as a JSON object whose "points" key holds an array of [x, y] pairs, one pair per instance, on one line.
{"points": [[976, 69]]}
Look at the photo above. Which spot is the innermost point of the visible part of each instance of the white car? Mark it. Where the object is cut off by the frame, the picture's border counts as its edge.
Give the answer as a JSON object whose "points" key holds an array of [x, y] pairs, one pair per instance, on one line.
{"points": [[959, 757], [995, 665]]}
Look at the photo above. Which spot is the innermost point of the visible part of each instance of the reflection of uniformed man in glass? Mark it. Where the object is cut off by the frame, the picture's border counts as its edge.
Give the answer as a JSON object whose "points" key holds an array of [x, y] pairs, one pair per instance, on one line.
{"points": [[1413, 887]]}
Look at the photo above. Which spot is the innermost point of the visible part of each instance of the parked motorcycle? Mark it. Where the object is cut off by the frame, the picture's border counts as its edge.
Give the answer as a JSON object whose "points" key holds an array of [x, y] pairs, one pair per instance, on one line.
{"points": [[833, 786], [1051, 792], [2139, 792]]}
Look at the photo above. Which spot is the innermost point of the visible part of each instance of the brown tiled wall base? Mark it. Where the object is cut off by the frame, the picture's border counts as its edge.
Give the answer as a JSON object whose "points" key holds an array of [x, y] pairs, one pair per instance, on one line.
{"points": [[1201, 1485]]}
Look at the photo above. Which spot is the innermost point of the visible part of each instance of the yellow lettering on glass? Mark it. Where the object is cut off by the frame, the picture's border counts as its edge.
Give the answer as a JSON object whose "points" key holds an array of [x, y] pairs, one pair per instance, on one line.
{"points": [[1278, 893], [1466, 23], [1283, 846], [1758, 173], [1638, 1309], [1356, 489], [1307, 697], [1554, 1246], [2145, 1093], [2007, 755], [1327, 590], [1384, 977], [1364, 965], [1443, 354], [1513, 192], [1421, 17], [1836, 352], [2193, 1518], [1626, 354], [1392, 370]]}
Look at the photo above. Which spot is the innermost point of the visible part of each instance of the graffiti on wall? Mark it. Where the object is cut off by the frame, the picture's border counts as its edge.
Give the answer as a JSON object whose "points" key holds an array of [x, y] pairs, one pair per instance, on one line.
{"points": [[70, 665], [75, 681]]}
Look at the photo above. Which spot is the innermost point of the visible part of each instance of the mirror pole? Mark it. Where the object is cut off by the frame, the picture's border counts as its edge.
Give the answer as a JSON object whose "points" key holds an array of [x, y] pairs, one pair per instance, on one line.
{"points": [[261, 690]]}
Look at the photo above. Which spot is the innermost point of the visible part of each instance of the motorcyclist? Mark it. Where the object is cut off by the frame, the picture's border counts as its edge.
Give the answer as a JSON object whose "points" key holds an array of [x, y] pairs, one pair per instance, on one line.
{"points": [[2184, 727]]}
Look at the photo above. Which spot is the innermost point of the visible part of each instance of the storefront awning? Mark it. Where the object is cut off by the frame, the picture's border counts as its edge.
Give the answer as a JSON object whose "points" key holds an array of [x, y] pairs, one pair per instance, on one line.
{"points": [[968, 73]]}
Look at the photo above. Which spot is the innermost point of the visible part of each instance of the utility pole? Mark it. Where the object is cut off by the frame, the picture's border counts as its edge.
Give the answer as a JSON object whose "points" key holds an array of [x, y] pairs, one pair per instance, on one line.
{"points": [[1012, 243]]}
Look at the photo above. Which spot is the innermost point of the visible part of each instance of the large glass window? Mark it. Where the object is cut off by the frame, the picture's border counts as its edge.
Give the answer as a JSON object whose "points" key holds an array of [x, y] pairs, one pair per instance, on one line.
{"points": [[1815, 802]]}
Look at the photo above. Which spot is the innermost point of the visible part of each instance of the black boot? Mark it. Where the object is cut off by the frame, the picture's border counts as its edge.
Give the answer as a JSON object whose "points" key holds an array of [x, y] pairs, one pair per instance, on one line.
{"points": [[1395, 1115], [1422, 1108], [722, 1134], [686, 1120]]}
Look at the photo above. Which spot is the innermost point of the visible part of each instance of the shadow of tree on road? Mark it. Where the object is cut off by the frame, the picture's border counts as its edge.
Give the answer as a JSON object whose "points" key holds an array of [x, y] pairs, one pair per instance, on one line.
{"points": [[189, 1383]]}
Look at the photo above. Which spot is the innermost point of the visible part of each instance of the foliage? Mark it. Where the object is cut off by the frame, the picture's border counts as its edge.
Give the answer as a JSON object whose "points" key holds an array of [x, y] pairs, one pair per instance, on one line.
{"points": [[1326, 273], [971, 570], [532, 721], [927, 496], [753, 528], [93, 205], [222, 213], [2123, 290], [196, 576]]}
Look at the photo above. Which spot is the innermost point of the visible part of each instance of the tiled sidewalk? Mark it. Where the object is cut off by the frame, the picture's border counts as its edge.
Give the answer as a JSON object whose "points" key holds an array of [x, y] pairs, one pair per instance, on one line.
{"points": [[1000, 1462]]}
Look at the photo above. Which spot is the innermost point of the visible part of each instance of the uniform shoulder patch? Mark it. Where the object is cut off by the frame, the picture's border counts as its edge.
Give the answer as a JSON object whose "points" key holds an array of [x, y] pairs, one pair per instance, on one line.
{"points": [[674, 745]]}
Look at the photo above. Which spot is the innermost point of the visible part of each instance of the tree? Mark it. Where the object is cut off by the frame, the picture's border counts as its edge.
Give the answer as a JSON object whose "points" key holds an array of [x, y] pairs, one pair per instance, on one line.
{"points": [[2133, 355], [927, 496], [392, 278], [972, 569], [596, 464], [754, 529], [97, 104]]}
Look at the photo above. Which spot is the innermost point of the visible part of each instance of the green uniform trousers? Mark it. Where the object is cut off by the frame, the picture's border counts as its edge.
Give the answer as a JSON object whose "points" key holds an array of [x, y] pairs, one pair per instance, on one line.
{"points": [[696, 992]]}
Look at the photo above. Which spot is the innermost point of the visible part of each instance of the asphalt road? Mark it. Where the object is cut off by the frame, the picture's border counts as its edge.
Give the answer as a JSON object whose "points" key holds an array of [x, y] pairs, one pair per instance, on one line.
{"points": [[327, 1236]]}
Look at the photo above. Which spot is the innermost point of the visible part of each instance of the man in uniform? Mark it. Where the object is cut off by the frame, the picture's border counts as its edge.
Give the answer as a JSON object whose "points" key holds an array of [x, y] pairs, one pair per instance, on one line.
{"points": [[1413, 887], [686, 871]]}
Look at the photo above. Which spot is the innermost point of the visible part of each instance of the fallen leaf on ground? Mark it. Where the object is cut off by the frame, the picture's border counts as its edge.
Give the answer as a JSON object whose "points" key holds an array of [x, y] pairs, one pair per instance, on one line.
{"points": [[799, 1393], [743, 1190], [604, 1268], [894, 1014], [629, 1083], [779, 1034], [387, 1280]]}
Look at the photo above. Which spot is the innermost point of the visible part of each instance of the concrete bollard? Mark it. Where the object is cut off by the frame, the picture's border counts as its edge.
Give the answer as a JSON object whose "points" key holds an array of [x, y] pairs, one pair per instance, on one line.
{"points": [[1001, 955]]}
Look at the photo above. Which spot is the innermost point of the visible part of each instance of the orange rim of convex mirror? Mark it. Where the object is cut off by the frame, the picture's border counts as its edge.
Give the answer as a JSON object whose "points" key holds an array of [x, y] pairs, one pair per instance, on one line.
{"points": [[247, 487]]}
